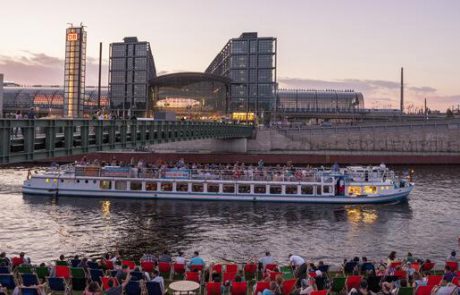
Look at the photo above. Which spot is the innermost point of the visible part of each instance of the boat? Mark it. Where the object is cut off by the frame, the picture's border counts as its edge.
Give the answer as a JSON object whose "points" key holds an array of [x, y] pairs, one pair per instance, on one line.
{"points": [[348, 185]]}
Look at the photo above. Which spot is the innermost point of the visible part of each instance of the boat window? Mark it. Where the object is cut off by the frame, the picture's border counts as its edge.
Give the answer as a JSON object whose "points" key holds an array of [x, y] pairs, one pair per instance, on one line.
{"points": [[150, 186], [197, 187], [120, 185], [181, 187], [228, 188], [213, 188], [291, 189], [275, 189], [166, 186], [327, 189], [306, 189], [260, 189], [244, 188], [136, 185], [354, 190], [370, 189], [105, 184], [318, 190]]}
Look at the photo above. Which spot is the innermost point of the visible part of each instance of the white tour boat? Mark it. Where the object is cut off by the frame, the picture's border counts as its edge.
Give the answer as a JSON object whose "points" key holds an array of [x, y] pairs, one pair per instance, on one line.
{"points": [[350, 185]]}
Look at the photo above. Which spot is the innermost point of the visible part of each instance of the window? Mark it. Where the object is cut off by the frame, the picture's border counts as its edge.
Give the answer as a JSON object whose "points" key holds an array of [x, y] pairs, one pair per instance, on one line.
{"points": [[291, 189], [275, 189], [120, 185], [136, 185], [318, 190], [354, 190], [266, 46], [213, 188], [150, 186], [370, 189], [327, 189], [260, 189], [244, 188], [228, 188], [166, 187], [306, 190], [181, 187], [105, 184], [197, 187]]}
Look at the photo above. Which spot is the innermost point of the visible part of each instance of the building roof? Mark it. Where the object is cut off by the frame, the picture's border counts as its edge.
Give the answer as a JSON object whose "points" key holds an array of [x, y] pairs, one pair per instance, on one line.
{"points": [[185, 78]]}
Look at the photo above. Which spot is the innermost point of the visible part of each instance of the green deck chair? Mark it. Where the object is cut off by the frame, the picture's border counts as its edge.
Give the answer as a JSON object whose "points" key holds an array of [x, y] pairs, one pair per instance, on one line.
{"points": [[42, 272], [25, 269], [78, 272], [406, 291], [63, 263], [338, 284]]}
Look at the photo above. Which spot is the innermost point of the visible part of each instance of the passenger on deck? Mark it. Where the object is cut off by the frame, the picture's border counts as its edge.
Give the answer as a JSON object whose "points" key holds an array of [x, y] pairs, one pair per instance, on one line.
{"points": [[149, 258], [165, 257], [267, 259], [180, 259], [4, 261], [196, 260], [156, 277]]}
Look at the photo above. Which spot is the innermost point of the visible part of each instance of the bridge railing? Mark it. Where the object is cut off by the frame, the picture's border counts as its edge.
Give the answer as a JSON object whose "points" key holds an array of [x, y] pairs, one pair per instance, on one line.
{"points": [[29, 140]]}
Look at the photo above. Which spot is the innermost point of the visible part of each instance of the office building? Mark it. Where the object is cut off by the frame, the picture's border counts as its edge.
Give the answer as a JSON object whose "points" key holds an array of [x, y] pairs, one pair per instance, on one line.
{"points": [[1, 95], [250, 62], [131, 71], [74, 71], [312, 100]]}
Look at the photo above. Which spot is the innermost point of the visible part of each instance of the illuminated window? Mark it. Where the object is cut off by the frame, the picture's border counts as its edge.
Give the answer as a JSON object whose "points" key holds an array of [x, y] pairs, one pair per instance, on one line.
{"points": [[166, 187], [370, 189], [354, 190], [47, 180], [105, 184], [150, 186]]}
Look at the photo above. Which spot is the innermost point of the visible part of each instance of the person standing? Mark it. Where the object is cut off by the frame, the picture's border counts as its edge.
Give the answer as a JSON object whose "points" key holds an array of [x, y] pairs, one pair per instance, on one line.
{"points": [[17, 116], [300, 267]]}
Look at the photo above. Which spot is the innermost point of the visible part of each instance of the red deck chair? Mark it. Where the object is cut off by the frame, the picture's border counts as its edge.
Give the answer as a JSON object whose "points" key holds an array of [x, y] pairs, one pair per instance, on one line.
{"points": [[239, 288], [274, 274], [401, 274], [129, 263], [217, 268], [319, 292], [395, 264], [192, 276], [427, 266], [433, 280], [108, 264], [231, 268], [179, 268], [312, 274], [271, 267], [62, 271], [353, 282], [147, 266], [250, 268], [288, 285], [453, 265], [197, 267], [213, 288], [164, 267], [458, 273], [261, 286], [423, 290], [105, 282], [456, 281], [15, 261], [229, 276], [416, 266]]}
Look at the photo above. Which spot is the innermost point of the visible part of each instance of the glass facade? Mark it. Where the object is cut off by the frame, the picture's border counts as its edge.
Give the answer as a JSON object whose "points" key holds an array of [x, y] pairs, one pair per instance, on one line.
{"points": [[74, 72], [250, 61], [131, 71], [298, 99]]}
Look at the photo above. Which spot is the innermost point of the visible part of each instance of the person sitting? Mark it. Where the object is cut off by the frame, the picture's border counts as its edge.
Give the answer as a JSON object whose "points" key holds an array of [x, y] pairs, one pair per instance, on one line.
{"points": [[418, 280], [225, 288], [215, 277], [453, 256], [93, 288], [180, 259], [366, 266], [410, 258], [148, 257], [196, 260], [391, 258], [156, 277], [307, 286], [117, 290], [270, 291], [165, 257], [267, 259], [449, 275], [362, 290], [4, 261]]}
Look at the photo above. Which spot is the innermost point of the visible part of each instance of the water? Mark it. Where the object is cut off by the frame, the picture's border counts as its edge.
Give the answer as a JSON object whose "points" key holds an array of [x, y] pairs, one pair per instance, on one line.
{"points": [[428, 225]]}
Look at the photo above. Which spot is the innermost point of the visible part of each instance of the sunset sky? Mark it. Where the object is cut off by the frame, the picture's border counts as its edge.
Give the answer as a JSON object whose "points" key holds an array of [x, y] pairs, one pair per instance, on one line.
{"points": [[344, 44]]}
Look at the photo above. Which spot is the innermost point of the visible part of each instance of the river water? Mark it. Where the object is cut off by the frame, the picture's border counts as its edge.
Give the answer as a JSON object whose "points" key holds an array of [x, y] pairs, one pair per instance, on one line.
{"points": [[428, 225]]}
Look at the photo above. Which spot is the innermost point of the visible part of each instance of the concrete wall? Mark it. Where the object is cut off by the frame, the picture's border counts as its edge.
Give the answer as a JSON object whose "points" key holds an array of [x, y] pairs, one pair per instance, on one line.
{"points": [[238, 145], [1, 95]]}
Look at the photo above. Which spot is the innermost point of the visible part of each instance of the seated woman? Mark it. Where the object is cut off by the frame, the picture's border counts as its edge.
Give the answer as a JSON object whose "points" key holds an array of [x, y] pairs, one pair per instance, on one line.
{"points": [[93, 289]]}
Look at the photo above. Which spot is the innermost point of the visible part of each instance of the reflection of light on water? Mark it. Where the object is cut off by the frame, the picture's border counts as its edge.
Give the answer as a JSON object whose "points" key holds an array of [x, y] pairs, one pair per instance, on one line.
{"points": [[105, 209], [357, 215]]}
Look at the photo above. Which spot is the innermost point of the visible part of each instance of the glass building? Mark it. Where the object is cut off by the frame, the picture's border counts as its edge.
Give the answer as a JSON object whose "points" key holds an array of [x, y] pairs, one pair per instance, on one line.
{"points": [[250, 62], [74, 71], [192, 95], [131, 71], [308, 99]]}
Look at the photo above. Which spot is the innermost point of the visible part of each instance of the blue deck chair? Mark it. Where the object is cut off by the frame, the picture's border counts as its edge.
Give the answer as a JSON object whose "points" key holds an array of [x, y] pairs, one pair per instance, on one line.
{"points": [[93, 265], [75, 262], [28, 291], [153, 288], [137, 275], [29, 279], [7, 281], [113, 273], [5, 270], [78, 284], [133, 288], [323, 268], [96, 275], [349, 267], [57, 285]]}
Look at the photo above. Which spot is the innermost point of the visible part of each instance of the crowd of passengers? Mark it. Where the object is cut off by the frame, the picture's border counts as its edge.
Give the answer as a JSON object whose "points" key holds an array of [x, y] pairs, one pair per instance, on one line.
{"points": [[141, 168], [406, 276]]}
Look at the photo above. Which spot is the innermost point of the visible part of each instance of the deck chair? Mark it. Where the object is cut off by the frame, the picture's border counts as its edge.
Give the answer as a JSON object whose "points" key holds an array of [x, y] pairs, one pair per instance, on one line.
{"points": [[62, 271], [24, 269], [57, 285], [319, 292], [228, 276], [29, 279], [129, 263], [28, 291], [427, 267], [5, 270], [165, 269], [178, 270], [288, 286], [424, 290], [373, 283], [338, 284], [147, 266], [406, 291], [401, 274], [453, 265], [433, 280], [353, 282], [192, 276], [239, 288], [250, 271], [153, 288], [78, 284], [8, 281], [133, 288], [213, 288], [231, 268], [217, 268], [96, 274], [78, 272], [261, 286], [42, 272]]}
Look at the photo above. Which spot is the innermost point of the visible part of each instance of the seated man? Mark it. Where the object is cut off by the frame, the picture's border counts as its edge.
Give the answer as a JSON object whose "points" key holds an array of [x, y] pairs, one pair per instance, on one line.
{"points": [[267, 259], [159, 279], [196, 260]]}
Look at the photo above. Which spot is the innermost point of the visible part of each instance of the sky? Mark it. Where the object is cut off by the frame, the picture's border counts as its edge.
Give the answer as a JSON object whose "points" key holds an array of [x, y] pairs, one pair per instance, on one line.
{"points": [[333, 44]]}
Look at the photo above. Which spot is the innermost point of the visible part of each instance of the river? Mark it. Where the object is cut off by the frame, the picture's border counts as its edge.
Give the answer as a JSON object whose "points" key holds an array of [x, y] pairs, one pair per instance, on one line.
{"points": [[428, 225]]}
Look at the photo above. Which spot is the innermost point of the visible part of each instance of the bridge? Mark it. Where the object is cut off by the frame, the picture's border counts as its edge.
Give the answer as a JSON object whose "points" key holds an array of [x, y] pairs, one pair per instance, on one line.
{"points": [[31, 140]]}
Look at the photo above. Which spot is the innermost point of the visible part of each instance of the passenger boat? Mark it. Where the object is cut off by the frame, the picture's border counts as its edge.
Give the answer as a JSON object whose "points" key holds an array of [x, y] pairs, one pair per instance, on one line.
{"points": [[350, 185]]}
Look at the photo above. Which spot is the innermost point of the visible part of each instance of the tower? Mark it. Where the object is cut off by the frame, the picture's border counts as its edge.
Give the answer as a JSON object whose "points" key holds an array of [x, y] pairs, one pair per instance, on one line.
{"points": [[75, 71], [402, 90]]}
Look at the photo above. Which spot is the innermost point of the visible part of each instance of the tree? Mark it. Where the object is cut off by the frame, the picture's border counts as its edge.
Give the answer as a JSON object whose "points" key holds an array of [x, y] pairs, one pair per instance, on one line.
{"points": [[449, 113]]}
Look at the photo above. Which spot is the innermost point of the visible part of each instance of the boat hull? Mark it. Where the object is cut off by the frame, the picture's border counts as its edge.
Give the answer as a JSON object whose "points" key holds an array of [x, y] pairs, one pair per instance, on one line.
{"points": [[400, 196]]}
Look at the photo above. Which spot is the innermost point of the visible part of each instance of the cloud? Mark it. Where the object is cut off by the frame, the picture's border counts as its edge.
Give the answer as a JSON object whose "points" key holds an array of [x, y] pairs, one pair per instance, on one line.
{"points": [[33, 68], [378, 93]]}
